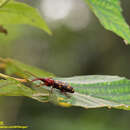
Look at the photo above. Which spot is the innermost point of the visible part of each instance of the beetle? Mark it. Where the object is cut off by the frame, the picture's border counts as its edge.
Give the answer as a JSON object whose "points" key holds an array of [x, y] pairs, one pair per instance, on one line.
{"points": [[63, 87]]}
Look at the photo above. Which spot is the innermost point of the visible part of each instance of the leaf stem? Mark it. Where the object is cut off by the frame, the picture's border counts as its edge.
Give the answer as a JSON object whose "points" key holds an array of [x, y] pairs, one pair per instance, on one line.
{"points": [[6, 77]]}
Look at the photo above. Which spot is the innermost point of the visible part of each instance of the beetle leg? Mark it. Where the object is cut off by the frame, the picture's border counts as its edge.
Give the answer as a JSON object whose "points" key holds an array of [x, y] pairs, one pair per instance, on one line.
{"points": [[51, 89], [63, 92]]}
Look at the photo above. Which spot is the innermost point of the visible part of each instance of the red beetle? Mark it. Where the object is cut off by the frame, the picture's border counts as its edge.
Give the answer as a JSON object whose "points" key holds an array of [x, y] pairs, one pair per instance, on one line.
{"points": [[63, 87]]}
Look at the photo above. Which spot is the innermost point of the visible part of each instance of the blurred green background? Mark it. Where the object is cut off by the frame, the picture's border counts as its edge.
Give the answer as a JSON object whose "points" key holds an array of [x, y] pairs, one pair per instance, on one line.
{"points": [[79, 46]]}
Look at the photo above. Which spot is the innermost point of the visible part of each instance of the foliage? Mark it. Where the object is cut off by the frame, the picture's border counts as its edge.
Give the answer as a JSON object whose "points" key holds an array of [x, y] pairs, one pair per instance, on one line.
{"points": [[19, 13], [90, 91], [110, 16], [108, 13]]}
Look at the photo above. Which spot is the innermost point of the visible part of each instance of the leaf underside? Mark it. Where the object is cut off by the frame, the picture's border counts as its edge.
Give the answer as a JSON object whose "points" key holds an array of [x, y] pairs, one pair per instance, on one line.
{"points": [[110, 16]]}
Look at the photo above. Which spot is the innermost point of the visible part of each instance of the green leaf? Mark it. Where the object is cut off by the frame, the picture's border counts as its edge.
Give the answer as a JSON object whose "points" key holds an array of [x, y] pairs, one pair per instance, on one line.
{"points": [[110, 16], [20, 13], [3, 2], [13, 32], [11, 87], [97, 91], [13, 67], [23, 70], [92, 91]]}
